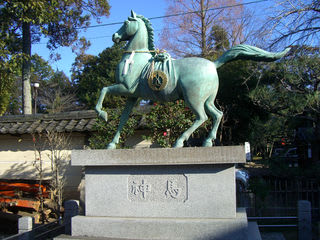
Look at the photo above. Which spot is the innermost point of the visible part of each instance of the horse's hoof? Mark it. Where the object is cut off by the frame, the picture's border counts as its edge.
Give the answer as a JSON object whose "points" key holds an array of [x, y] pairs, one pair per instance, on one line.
{"points": [[178, 144], [111, 146], [103, 115], [207, 143]]}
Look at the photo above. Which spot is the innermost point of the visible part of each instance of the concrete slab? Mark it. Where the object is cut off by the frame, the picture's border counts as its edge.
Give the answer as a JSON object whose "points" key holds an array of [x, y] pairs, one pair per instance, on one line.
{"points": [[159, 156], [253, 231], [161, 228]]}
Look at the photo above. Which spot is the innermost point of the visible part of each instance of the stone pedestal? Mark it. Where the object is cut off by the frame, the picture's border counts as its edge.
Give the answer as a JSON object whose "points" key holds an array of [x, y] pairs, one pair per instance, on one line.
{"points": [[186, 193]]}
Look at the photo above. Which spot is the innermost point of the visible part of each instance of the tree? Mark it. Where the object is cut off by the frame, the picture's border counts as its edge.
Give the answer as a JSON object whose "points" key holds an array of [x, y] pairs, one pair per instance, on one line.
{"points": [[9, 61], [290, 89], [6, 87], [54, 94], [57, 20], [40, 69], [57, 145], [191, 34], [295, 22], [95, 73], [237, 80], [57, 94]]}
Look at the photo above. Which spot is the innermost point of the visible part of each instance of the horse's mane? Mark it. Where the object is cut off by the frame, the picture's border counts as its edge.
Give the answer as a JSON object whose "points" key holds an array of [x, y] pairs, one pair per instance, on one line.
{"points": [[150, 32]]}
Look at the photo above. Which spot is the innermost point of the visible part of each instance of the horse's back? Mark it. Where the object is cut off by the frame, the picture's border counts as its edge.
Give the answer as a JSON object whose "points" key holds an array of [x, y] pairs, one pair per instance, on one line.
{"points": [[195, 68], [190, 75], [196, 76]]}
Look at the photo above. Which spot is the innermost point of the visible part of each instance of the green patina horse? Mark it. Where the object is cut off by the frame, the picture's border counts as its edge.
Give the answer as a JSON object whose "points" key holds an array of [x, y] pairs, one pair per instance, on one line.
{"points": [[144, 73]]}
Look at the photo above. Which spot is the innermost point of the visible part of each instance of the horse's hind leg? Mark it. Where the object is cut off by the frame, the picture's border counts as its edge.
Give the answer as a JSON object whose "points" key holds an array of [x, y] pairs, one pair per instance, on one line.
{"points": [[216, 118], [201, 117]]}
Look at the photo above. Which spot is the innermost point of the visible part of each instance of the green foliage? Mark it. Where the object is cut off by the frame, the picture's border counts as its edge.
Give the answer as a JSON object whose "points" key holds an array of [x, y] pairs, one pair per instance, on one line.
{"points": [[291, 85], [4, 101], [55, 93], [264, 133], [23, 23], [236, 82], [168, 121], [106, 131], [57, 20], [41, 71], [99, 72], [218, 42], [261, 189], [9, 64], [289, 91]]}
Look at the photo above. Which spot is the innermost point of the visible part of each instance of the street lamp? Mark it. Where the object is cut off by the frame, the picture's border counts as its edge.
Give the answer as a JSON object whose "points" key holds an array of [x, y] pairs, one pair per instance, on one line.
{"points": [[35, 85]]}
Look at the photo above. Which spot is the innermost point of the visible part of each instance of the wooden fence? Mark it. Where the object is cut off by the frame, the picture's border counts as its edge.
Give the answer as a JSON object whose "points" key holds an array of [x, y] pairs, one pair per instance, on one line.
{"points": [[282, 197]]}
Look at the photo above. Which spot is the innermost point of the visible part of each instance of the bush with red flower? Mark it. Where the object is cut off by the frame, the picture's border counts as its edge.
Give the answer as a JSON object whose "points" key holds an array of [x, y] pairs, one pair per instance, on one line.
{"points": [[167, 121]]}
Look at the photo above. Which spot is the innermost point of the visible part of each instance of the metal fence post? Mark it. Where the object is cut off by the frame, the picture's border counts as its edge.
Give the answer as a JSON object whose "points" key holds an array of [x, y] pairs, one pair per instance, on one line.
{"points": [[304, 220], [25, 225], [71, 209]]}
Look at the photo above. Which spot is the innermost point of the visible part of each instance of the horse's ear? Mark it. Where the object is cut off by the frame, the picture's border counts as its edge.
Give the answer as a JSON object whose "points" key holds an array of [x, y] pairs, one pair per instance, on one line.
{"points": [[133, 14]]}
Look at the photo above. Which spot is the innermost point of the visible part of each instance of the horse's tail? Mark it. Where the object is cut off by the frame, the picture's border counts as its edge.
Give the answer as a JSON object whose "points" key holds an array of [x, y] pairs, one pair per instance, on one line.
{"points": [[248, 53]]}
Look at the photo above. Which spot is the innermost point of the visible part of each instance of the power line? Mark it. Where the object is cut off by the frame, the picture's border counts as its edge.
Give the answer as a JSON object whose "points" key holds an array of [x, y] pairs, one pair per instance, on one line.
{"points": [[172, 15], [180, 14], [210, 9], [158, 30]]}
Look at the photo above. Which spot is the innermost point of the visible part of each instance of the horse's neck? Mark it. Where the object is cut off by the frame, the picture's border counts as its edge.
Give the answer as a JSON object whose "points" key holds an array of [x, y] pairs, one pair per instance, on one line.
{"points": [[139, 42]]}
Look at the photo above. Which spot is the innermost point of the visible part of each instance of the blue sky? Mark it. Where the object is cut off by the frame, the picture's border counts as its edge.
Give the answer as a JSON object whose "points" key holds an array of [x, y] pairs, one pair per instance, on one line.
{"points": [[100, 37]]}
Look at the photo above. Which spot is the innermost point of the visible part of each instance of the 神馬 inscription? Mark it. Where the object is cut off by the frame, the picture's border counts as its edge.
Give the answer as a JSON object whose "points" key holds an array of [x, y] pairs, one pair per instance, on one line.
{"points": [[158, 188]]}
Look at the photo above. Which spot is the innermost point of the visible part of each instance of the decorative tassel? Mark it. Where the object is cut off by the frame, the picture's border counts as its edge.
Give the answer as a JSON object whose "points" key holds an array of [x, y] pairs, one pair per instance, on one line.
{"points": [[150, 70]]}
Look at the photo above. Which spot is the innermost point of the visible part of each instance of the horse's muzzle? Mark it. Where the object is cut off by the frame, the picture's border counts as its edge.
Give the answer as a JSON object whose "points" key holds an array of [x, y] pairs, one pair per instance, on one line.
{"points": [[116, 38]]}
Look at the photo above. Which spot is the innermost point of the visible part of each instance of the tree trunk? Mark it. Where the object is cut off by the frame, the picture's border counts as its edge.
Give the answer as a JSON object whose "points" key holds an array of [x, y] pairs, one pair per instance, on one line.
{"points": [[26, 69], [203, 30], [316, 146]]}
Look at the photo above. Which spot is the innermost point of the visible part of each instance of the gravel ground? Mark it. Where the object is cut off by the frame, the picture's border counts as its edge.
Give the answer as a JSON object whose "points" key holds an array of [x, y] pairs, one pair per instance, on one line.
{"points": [[272, 236]]}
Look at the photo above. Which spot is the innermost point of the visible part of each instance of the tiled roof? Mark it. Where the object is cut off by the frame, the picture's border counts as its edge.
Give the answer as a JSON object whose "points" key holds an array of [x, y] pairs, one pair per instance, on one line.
{"points": [[78, 121]]}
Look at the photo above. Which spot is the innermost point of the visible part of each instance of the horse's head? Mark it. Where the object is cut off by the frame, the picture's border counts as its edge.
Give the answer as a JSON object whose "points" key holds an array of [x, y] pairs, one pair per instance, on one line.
{"points": [[128, 29]]}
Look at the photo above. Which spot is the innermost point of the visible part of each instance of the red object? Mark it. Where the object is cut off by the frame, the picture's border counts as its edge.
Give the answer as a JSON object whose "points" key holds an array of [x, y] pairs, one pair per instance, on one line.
{"points": [[34, 204], [165, 134], [23, 187], [25, 195]]}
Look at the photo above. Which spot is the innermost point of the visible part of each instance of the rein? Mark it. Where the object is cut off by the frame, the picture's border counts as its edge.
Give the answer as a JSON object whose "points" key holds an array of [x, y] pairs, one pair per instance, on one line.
{"points": [[157, 51], [150, 70]]}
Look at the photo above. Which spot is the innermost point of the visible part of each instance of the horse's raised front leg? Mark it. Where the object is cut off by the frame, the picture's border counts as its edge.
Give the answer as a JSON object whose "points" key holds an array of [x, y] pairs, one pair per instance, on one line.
{"points": [[117, 89], [120, 90], [102, 114], [123, 120]]}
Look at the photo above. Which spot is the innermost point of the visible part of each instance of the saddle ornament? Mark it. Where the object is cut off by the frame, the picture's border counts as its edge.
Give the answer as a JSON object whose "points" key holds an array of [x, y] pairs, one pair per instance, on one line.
{"points": [[157, 79]]}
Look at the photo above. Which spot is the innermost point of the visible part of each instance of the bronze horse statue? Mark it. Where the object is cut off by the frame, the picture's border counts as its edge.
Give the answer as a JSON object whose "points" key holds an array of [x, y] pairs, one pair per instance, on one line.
{"points": [[144, 73]]}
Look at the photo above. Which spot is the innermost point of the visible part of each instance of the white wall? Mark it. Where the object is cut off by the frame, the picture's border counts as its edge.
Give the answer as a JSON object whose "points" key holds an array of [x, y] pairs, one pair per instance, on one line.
{"points": [[17, 158]]}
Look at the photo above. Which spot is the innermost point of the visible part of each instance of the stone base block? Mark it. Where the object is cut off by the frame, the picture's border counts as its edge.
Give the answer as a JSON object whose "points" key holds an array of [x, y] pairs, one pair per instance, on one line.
{"points": [[192, 191], [161, 228]]}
